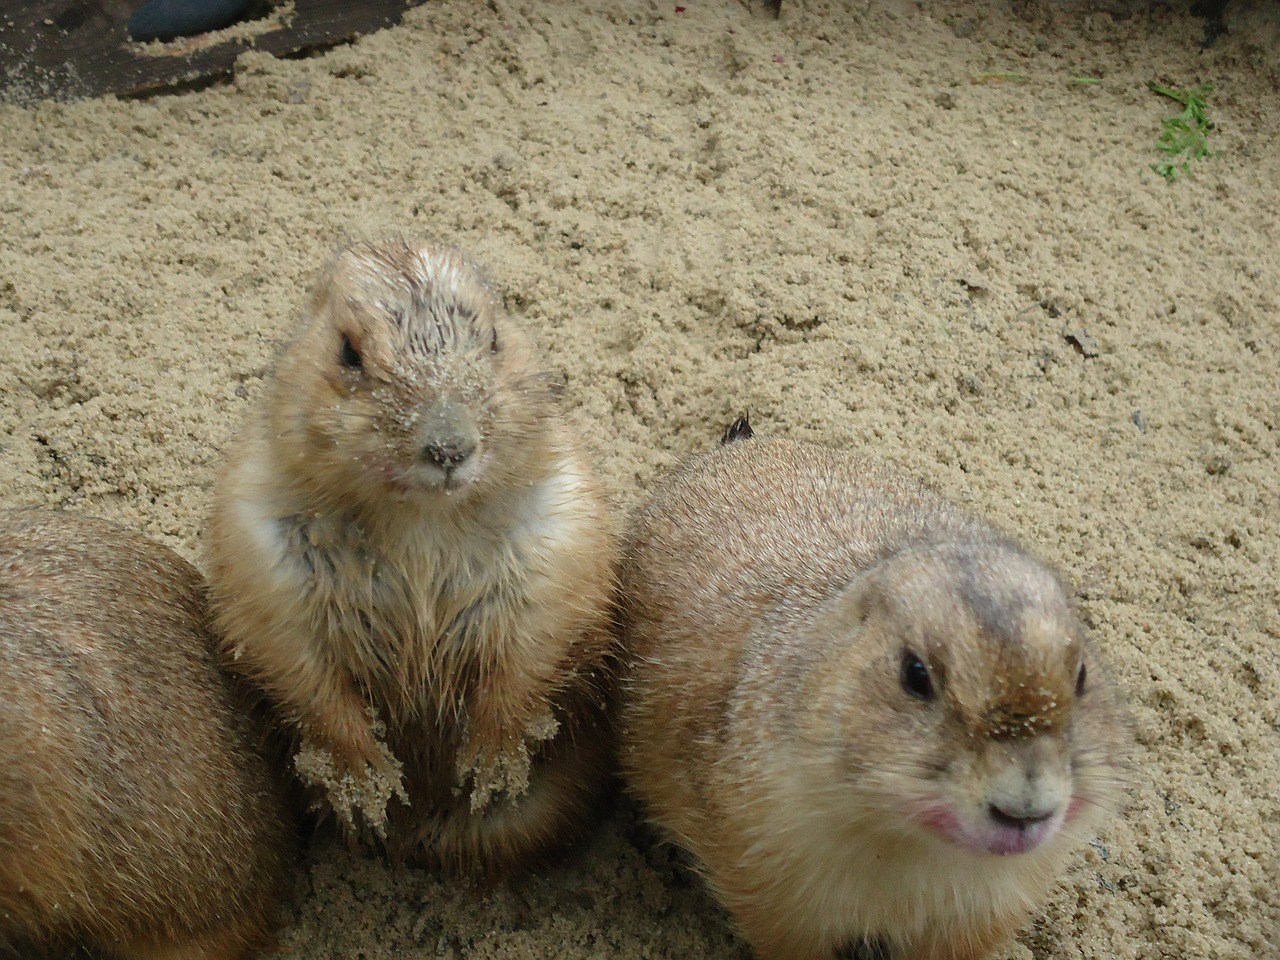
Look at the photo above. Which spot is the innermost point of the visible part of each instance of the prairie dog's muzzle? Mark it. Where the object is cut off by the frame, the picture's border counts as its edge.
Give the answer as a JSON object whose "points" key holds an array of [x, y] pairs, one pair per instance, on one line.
{"points": [[447, 435]]}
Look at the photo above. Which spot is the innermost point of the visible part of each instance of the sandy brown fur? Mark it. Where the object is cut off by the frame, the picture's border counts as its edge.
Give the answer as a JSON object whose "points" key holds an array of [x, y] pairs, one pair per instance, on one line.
{"points": [[468, 611], [772, 591], [138, 816]]}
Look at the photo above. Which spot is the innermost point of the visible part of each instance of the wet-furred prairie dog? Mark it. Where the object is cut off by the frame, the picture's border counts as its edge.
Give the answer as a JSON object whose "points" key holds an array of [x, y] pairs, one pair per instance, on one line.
{"points": [[138, 816], [408, 530], [873, 719]]}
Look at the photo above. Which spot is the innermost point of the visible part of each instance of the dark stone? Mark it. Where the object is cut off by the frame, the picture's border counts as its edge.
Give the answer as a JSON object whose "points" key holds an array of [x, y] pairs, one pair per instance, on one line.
{"points": [[169, 19]]}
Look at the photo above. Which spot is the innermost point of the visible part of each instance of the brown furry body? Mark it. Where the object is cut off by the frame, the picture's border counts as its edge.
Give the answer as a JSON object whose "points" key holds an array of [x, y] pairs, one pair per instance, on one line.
{"points": [[865, 712], [137, 813], [409, 528]]}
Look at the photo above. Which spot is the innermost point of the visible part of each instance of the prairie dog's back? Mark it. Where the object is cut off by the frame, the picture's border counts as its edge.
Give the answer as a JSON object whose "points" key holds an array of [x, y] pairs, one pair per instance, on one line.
{"points": [[791, 519], [137, 812]]}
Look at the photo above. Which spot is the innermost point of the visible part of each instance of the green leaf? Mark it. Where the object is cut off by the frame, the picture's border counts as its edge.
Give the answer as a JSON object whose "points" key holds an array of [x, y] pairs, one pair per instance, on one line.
{"points": [[1185, 136]]}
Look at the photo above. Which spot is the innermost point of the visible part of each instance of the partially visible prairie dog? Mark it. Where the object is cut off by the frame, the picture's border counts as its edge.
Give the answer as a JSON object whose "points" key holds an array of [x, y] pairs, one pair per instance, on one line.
{"points": [[874, 720], [138, 816], [408, 531]]}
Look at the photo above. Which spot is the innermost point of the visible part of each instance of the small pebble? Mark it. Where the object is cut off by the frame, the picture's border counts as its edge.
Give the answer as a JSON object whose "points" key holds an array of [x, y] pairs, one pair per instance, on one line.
{"points": [[1084, 344]]}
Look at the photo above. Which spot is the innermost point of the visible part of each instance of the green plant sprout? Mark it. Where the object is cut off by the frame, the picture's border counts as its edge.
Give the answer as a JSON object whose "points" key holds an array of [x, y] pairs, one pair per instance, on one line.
{"points": [[1185, 137]]}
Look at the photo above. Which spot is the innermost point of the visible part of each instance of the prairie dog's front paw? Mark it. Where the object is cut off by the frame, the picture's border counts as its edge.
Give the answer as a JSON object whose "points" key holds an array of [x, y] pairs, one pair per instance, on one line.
{"points": [[502, 764], [356, 778]]}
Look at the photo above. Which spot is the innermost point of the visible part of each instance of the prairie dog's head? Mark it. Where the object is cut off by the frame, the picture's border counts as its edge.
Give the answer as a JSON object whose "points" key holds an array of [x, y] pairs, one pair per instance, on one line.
{"points": [[961, 701], [408, 378]]}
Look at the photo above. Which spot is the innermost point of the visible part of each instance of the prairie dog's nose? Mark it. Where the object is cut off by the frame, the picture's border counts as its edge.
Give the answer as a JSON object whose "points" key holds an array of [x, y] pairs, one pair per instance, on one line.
{"points": [[1031, 783], [447, 454], [1018, 815], [447, 435]]}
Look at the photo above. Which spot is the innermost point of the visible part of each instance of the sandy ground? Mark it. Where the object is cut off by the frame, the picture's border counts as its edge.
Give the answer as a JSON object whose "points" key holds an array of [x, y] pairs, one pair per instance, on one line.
{"points": [[839, 221]]}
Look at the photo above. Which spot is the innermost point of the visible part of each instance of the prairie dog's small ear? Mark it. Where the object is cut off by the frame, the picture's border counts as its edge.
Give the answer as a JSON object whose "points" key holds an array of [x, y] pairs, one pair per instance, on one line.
{"points": [[852, 604], [556, 387], [320, 296], [321, 292]]}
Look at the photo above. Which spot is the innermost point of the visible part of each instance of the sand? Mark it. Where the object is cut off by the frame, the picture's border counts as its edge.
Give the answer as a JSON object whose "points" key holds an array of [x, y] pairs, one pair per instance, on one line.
{"points": [[839, 221]]}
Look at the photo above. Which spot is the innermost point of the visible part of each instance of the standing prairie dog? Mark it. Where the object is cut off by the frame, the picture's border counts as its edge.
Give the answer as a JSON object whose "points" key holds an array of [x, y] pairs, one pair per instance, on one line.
{"points": [[138, 816], [873, 719], [408, 531]]}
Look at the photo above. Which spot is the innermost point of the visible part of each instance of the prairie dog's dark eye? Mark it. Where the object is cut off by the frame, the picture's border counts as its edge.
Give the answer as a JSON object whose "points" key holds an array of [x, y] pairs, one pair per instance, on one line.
{"points": [[351, 358], [915, 677], [1081, 675], [493, 341]]}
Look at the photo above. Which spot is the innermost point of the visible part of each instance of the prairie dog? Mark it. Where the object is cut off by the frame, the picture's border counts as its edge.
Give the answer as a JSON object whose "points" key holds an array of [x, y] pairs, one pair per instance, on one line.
{"points": [[874, 720], [138, 815], [408, 531]]}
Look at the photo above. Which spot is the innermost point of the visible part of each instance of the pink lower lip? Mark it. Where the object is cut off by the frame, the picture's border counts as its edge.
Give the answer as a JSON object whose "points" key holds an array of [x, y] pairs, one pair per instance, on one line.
{"points": [[996, 839], [1007, 841]]}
